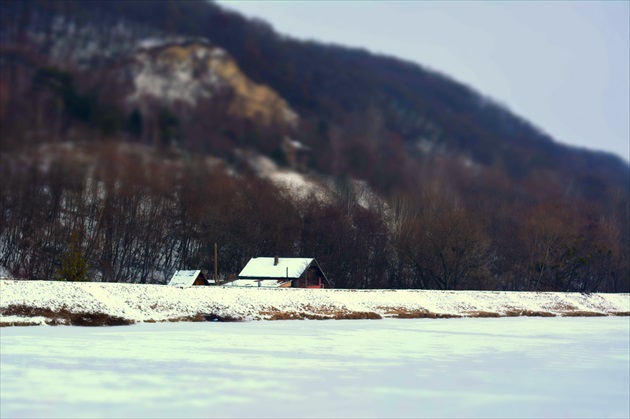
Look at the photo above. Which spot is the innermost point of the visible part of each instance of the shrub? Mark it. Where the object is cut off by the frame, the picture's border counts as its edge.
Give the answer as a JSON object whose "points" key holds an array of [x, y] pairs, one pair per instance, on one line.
{"points": [[64, 316]]}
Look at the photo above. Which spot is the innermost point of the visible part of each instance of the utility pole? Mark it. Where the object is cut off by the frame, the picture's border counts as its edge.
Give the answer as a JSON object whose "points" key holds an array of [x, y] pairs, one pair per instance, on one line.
{"points": [[216, 265]]}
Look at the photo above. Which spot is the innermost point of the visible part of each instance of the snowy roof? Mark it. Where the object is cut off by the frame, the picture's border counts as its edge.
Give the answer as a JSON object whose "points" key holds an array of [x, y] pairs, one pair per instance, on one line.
{"points": [[184, 278], [265, 283], [265, 268]]}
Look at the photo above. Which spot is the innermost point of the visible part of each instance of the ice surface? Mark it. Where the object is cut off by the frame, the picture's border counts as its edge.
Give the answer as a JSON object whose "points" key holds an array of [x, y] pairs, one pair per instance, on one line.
{"points": [[510, 367]]}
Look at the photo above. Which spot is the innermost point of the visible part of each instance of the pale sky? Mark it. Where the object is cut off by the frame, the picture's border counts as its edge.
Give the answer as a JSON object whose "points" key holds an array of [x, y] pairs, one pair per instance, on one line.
{"points": [[564, 66]]}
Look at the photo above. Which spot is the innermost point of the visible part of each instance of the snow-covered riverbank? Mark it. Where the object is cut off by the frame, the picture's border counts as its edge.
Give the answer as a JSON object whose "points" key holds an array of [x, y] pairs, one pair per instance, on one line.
{"points": [[37, 301]]}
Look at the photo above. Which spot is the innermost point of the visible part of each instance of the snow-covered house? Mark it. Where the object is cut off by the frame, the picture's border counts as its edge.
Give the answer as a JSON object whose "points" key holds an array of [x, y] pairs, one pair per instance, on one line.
{"points": [[282, 272], [188, 278]]}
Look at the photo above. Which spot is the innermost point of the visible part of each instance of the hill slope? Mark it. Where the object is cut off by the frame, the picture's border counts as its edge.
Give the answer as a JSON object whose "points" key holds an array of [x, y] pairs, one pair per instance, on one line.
{"points": [[335, 89], [402, 100]]}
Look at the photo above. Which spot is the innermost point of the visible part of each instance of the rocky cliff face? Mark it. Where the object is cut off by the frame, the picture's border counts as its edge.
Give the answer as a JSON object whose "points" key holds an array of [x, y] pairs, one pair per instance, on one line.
{"points": [[146, 66], [186, 71]]}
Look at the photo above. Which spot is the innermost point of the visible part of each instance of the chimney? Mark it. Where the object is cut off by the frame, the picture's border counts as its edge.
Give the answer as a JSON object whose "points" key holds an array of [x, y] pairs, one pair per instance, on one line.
{"points": [[275, 261]]}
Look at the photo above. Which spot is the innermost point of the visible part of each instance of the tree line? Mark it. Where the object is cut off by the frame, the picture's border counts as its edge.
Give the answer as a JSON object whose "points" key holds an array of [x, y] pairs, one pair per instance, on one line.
{"points": [[137, 217]]}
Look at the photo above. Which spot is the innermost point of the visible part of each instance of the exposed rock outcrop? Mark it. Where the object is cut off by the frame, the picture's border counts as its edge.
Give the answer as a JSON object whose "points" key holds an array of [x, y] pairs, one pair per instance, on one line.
{"points": [[189, 70]]}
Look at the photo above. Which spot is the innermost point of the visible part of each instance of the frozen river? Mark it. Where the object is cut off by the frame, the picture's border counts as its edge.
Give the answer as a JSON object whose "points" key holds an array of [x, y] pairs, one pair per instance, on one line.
{"points": [[508, 367]]}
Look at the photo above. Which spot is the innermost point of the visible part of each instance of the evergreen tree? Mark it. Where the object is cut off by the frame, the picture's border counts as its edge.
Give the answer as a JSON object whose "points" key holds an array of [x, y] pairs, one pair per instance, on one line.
{"points": [[74, 266]]}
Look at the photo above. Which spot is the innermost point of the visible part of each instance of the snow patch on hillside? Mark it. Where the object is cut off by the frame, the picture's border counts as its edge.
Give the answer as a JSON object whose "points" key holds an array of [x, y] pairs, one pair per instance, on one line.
{"points": [[326, 189], [183, 74], [296, 185], [4, 273]]}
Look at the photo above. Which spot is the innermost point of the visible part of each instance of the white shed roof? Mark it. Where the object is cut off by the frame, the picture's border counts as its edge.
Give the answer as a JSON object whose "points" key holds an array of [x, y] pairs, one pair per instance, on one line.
{"points": [[184, 278], [265, 268]]}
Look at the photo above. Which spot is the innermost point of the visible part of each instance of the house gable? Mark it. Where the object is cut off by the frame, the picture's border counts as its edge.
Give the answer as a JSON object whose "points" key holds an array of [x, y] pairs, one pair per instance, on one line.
{"points": [[313, 277]]}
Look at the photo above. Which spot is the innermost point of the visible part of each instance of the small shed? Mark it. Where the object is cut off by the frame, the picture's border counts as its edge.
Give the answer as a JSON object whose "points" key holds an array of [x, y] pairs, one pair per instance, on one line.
{"points": [[188, 279], [283, 272]]}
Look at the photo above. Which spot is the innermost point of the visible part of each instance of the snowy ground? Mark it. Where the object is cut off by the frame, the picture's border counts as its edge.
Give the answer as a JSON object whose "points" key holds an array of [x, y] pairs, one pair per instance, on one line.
{"points": [[140, 303], [509, 367]]}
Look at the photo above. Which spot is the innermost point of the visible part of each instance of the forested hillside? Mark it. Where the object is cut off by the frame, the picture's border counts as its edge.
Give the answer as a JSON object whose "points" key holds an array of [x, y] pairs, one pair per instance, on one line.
{"points": [[136, 134]]}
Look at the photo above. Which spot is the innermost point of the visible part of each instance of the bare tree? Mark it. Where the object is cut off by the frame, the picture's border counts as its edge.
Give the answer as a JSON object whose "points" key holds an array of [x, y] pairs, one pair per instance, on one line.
{"points": [[443, 246]]}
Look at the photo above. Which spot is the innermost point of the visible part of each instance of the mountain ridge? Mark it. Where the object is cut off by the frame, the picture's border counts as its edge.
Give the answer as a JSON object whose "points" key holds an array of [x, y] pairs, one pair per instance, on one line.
{"points": [[247, 40]]}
